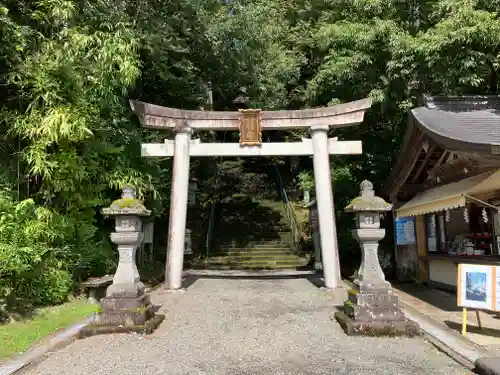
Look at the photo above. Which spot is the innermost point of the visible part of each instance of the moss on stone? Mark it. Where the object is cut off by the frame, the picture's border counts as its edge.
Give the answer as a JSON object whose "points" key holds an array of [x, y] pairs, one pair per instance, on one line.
{"points": [[350, 304], [372, 204], [127, 206], [127, 203], [97, 329]]}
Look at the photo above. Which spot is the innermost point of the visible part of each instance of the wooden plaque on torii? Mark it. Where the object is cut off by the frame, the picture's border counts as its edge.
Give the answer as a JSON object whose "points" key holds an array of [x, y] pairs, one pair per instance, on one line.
{"points": [[250, 127]]}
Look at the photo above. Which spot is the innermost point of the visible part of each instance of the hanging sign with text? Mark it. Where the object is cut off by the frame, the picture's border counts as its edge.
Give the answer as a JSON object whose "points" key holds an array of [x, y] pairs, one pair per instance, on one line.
{"points": [[405, 231]]}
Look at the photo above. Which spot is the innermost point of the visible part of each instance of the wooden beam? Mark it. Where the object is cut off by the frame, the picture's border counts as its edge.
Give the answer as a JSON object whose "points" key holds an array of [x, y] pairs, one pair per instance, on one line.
{"points": [[423, 164], [441, 158], [413, 148], [266, 149], [423, 265]]}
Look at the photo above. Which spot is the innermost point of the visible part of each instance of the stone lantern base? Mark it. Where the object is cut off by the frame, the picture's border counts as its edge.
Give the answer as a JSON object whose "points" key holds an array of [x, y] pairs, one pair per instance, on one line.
{"points": [[123, 315], [125, 311], [374, 311]]}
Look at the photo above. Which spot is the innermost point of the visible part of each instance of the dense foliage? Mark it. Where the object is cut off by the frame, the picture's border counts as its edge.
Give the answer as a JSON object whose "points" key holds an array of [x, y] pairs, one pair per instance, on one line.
{"points": [[68, 140]]}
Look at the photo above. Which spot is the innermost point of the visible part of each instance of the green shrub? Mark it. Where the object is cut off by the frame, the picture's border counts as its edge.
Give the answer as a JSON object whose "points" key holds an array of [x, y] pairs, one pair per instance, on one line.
{"points": [[42, 255]]}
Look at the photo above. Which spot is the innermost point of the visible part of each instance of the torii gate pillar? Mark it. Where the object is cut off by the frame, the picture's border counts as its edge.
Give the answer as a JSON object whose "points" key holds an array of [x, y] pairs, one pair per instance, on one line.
{"points": [[178, 208], [325, 205]]}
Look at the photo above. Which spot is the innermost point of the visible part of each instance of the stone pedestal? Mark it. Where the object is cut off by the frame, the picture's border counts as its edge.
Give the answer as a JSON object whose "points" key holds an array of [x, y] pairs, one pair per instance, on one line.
{"points": [[373, 310], [125, 311], [126, 305]]}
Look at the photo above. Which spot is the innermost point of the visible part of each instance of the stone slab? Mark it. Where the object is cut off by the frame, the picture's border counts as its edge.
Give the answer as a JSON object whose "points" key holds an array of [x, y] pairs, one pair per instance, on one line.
{"points": [[375, 300], [126, 318], [374, 287], [487, 366], [99, 329], [124, 311], [370, 313], [351, 327], [119, 304], [97, 282], [126, 290]]}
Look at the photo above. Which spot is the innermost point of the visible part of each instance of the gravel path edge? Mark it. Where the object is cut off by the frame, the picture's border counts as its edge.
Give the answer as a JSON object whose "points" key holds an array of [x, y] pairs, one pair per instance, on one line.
{"points": [[35, 354]]}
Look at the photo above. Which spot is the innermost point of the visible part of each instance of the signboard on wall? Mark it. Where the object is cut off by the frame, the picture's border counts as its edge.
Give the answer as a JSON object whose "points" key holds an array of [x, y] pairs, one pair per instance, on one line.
{"points": [[405, 230], [478, 287]]}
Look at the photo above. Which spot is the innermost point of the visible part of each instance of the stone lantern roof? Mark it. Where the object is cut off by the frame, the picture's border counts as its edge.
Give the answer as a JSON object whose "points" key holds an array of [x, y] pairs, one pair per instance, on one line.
{"points": [[128, 204], [367, 201]]}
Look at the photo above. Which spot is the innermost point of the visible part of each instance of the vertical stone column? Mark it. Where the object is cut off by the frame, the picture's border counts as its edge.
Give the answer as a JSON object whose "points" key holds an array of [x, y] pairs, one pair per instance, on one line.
{"points": [[314, 224], [317, 251], [326, 212], [178, 208]]}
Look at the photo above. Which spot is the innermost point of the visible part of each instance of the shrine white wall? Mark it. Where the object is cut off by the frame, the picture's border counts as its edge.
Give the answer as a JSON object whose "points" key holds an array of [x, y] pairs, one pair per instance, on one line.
{"points": [[443, 272]]}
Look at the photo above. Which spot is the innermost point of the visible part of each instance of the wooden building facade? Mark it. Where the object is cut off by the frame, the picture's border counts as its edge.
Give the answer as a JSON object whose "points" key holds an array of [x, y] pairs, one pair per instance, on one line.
{"points": [[445, 187]]}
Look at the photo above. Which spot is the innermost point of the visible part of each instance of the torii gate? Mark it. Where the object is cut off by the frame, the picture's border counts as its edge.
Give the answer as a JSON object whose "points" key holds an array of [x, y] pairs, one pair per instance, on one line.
{"points": [[251, 123]]}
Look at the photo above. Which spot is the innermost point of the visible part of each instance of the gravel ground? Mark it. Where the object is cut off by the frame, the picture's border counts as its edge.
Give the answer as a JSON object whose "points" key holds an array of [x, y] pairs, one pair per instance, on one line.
{"points": [[247, 327]]}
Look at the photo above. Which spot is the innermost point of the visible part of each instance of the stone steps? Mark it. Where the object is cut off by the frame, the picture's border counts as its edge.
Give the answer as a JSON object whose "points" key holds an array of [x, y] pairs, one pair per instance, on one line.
{"points": [[257, 252], [259, 243], [255, 267], [256, 245], [266, 234], [257, 256], [229, 263]]}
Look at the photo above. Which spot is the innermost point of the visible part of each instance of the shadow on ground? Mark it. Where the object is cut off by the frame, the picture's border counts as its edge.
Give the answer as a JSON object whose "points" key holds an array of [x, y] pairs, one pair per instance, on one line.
{"points": [[431, 296], [473, 329]]}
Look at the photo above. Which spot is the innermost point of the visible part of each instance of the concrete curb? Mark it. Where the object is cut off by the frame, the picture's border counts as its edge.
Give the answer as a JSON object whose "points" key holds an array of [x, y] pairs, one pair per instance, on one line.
{"points": [[458, 348], [464, 352], [35, 354]]}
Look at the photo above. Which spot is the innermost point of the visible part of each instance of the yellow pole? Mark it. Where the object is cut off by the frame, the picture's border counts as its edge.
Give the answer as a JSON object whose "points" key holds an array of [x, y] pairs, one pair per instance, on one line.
{"points": [[464, 321]]}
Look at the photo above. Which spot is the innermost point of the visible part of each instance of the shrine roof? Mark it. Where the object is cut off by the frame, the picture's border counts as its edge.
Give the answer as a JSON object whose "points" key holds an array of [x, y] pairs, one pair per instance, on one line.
{"points": [[455, 122], [466, 125]]}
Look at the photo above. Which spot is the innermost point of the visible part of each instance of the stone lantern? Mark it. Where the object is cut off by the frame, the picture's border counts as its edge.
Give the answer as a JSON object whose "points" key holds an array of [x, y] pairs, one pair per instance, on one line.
{"points": [[126, 305], [373, 310], [314, 225], [192, 191], [188, 248]]}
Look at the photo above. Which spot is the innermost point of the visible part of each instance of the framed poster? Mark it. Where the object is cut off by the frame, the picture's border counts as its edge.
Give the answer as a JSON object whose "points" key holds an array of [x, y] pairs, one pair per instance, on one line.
{"points": [[405, 231], [476, 287]]}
